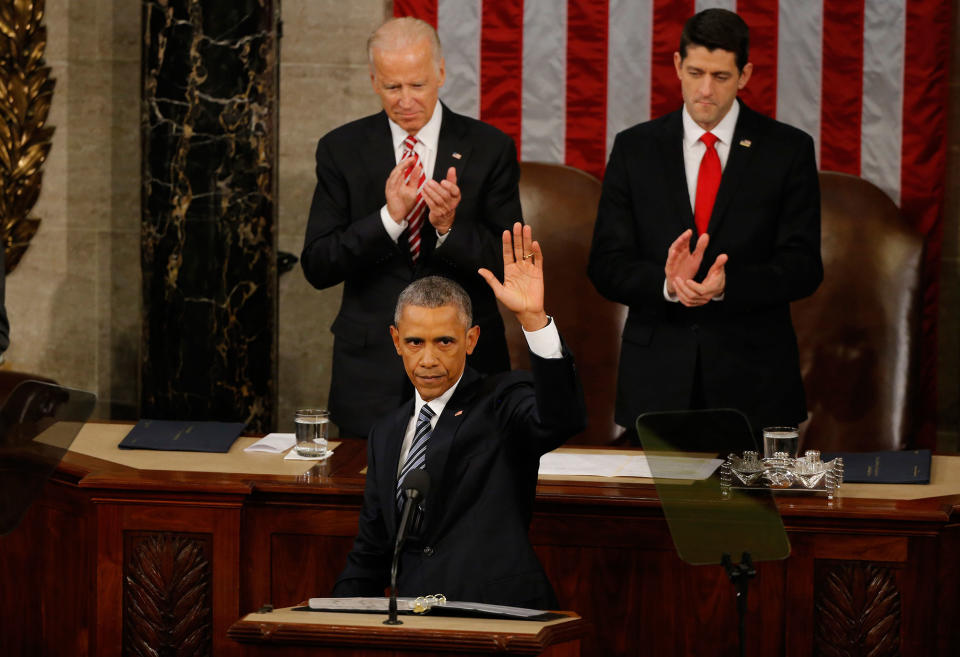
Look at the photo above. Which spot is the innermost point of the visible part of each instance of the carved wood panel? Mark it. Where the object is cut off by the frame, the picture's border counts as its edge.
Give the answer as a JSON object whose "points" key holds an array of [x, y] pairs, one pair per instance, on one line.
{"points": [[857, 611], [167, 596]]}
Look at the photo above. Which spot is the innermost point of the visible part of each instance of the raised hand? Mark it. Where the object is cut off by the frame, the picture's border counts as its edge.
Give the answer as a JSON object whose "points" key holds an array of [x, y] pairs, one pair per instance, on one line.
{"points": [[680, 262], [522, 287], [442, 199], [401, 189]]}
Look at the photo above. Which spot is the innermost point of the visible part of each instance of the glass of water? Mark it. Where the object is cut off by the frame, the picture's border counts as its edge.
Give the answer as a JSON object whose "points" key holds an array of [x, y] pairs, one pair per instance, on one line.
{"points": [[781, 439], [312, 424]]}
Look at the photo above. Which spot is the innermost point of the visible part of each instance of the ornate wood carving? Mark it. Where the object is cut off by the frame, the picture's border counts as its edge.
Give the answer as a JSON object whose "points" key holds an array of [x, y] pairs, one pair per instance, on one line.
{"points": [[857, 612], [26, 90], [167, 595]]}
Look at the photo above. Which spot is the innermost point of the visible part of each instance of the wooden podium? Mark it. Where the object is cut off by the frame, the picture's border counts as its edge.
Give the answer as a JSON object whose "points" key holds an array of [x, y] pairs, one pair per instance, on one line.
{"points": [[295, 633]]}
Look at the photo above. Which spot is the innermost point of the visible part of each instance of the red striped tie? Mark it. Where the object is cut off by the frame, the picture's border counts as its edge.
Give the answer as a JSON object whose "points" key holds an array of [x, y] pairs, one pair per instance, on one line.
{"points": [[708, 181], [415, 216]]}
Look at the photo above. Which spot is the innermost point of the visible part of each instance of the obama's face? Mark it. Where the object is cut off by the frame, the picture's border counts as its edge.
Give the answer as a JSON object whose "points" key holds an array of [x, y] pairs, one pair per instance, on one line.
{"points": [[434, 343]]}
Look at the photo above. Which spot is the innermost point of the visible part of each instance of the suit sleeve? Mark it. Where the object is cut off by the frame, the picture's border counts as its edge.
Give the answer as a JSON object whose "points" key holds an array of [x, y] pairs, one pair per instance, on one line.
{"points": [[617, 267], [794, 268], [476, 240], [337, 245], [541, 416], [367, 572]]}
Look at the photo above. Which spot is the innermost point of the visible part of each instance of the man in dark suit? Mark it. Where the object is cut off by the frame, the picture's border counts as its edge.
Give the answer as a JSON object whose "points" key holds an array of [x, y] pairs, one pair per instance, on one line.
{"points": [[480, 440], [710, 327], [387, 210]]}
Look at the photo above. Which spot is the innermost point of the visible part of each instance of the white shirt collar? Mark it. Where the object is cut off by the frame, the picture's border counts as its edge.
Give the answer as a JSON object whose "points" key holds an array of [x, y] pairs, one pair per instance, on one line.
{"points": [[429, 134], [723, 130], [436, 405]]}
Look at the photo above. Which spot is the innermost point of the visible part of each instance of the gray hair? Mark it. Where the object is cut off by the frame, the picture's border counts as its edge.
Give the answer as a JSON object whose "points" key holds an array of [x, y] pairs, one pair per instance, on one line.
{"points": [[403, 32], [435, 292]]}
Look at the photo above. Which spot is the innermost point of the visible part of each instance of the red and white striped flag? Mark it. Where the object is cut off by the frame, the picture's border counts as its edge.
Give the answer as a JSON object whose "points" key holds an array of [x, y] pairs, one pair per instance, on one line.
{"points": [[866, 78]]}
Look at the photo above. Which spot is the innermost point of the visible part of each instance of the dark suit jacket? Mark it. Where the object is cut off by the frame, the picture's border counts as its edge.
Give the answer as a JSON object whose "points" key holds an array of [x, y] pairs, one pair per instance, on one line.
{"points": [[346, 243], [766, 218], [483, 465]]}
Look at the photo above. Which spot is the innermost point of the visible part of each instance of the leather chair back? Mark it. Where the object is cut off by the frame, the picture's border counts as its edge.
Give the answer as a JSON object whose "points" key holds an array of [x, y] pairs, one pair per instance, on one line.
{"points": [[560, 204], [859, 333]]}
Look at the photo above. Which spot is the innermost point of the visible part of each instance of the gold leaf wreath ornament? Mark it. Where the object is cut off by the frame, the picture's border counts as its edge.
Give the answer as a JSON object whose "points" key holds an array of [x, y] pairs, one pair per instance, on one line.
{"points": [[26, 90]]}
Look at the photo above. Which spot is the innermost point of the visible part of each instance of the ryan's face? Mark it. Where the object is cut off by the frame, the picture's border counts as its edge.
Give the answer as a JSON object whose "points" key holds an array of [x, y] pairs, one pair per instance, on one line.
{"points": [[408, 82], [434, 344], [709, 82]]}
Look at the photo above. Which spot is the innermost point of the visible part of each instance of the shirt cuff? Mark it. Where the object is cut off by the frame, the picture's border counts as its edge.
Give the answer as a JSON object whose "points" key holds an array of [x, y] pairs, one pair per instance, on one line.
{"points": [[394, 230], [673, 298], [441, 238], [545, 342]]}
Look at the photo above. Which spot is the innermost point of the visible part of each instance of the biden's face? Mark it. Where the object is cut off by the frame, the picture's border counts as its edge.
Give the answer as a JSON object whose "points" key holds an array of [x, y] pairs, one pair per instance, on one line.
{"points": [[408, 81], [709, 82], [434, 343]]}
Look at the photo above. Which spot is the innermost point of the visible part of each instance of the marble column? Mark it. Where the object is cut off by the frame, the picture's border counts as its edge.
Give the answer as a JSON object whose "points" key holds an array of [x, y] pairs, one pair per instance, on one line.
{"points": [[208, 248]]}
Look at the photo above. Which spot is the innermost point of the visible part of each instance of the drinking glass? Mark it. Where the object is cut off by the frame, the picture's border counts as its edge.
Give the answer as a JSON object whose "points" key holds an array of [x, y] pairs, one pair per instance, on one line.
{"points": [[781, 439], [312, 425]]}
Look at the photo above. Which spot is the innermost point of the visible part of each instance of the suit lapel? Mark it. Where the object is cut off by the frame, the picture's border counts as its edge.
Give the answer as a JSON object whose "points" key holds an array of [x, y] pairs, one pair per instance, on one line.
{"points": [[671, 152], [442, 438], [453, 149], [738, 162], [379, 158], [387, 475], [378, 155]]}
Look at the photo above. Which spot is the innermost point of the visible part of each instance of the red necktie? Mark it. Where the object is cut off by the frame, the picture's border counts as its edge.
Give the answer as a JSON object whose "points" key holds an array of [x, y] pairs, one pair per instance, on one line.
{"points": [[708, 181], [415, 216]]}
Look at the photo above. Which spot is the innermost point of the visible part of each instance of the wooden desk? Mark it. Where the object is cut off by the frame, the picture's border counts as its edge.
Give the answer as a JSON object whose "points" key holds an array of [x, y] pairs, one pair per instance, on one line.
{"points": [[114, 559], [290, 633]]}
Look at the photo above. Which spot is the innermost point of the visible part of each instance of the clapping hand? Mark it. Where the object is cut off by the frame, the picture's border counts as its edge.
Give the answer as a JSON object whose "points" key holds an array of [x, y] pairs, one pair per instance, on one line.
{"points": [[681, 263], [522, 288], [442, 199], [691, 294], [402, 188]]}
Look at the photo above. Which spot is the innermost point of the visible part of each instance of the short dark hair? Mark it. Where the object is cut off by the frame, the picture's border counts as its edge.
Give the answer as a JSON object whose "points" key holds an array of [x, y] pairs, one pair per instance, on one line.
{"points": [[717, 28], [435, 292]]}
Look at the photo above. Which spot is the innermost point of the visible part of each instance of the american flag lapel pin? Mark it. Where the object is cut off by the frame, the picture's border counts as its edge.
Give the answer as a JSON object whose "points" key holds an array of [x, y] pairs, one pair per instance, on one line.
{"points": [[458, 413], [745, 143], [456, 155]]}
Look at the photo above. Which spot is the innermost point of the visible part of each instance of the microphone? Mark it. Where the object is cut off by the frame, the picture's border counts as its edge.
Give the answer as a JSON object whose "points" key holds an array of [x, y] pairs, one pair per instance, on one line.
{"points": [[416, 485]]}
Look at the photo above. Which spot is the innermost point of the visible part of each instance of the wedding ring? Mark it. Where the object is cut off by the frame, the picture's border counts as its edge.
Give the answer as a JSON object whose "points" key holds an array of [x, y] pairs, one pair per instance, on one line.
{"points": [[529, 255]]}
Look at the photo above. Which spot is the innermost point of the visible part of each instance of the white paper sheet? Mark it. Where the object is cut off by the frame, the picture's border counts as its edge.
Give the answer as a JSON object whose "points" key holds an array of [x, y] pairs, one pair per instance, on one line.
{"points": [[273, 443], [624, 465]]}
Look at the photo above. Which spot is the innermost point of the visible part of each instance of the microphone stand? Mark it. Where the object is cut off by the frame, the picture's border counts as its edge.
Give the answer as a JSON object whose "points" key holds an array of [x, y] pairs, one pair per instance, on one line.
{"points": [[408, 505], [740, 575]]}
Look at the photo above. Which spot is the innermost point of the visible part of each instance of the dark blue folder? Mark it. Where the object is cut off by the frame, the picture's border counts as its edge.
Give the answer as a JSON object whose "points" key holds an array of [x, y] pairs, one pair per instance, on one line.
{"points": [[181, 436], [906, 467]]}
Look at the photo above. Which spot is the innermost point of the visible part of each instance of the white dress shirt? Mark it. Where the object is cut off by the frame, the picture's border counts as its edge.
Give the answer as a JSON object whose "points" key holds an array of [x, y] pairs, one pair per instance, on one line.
{"points": [[544, 342], [428, 140], [693, 151]]}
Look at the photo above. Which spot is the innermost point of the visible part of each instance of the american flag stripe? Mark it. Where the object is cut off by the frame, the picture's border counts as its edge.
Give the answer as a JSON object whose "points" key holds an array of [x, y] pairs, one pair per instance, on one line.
{"points": [[800, 53], [501, 55], [764, 21], [544, 75], [841, 86], [458, 24], [628, 61], [867, 79], [880, 147]]}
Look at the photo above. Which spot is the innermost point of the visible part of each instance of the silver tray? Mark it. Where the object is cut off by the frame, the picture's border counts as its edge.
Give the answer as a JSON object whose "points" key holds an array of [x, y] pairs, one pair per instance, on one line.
{"points": [[805, 474]]}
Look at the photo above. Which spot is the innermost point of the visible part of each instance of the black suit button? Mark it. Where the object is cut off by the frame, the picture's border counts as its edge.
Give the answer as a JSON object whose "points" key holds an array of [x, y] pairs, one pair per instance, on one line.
{"points": [[694, 328], [428, 551]]}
